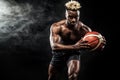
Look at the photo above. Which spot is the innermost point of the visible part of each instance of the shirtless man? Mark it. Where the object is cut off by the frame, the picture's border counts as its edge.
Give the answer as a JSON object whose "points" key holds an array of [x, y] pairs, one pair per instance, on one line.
{"points": [[66, 43]]}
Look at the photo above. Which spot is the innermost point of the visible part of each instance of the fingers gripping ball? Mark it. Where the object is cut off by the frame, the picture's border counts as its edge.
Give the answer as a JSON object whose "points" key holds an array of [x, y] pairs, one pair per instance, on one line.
{"points": [[95, 40]]}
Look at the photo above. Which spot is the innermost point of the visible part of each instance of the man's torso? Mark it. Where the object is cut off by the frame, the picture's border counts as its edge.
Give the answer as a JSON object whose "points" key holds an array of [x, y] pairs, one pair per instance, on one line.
{"points": [[71, 35]]}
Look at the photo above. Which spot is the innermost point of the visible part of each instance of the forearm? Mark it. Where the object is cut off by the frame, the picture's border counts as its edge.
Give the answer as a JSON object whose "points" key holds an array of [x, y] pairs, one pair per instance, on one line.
{"points": [[57, 46]]}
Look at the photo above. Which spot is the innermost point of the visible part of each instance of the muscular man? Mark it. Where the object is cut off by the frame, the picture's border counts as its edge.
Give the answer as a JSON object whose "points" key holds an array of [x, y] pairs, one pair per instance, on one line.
{"points": [[66, 43]]}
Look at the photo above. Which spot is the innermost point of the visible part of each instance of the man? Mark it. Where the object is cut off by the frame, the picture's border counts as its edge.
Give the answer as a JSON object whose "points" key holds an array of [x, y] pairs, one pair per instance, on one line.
{"points": [[66, 43]]}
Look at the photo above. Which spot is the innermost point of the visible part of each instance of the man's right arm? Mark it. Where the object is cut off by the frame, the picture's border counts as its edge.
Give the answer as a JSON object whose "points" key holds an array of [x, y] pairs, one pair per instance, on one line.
{"points": [[55, 40]]}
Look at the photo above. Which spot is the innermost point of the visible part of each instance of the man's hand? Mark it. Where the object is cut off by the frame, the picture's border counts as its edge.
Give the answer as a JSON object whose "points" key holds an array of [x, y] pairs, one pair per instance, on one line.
{"points": [[82, 45]]}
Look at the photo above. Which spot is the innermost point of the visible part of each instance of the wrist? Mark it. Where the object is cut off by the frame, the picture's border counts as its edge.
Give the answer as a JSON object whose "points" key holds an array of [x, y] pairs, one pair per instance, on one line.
{"points": [[74, 47]]}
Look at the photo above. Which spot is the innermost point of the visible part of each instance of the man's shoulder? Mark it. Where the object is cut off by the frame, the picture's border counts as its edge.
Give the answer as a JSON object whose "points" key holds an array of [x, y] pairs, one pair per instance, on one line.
{"points": [[84, 26], [57, 25]]}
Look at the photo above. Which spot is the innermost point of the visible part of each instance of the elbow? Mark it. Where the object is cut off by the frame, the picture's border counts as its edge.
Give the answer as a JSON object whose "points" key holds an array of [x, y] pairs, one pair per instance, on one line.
{"points": [[54, 47]]}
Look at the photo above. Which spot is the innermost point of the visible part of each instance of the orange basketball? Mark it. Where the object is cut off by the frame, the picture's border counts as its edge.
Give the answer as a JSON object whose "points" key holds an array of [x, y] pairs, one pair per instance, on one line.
{"points": [[95, 39]]}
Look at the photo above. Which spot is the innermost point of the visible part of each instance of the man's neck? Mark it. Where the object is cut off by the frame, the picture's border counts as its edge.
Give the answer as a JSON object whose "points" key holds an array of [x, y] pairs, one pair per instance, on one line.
{"points": [[72, 26]]}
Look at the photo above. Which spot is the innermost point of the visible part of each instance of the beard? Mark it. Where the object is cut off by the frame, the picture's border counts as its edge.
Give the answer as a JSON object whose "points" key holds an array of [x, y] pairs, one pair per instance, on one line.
{"points": [[71, 23]]}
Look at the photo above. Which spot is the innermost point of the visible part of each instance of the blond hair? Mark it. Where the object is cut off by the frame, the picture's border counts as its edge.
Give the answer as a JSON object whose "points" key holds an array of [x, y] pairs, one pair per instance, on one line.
{"points": [[73, 5]]}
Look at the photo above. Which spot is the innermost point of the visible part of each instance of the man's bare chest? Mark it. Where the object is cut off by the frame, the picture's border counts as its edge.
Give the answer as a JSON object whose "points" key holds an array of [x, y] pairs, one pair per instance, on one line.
{"points": [[72, 35]]}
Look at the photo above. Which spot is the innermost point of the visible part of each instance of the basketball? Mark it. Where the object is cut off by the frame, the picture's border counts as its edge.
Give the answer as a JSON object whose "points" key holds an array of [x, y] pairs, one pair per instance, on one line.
{"points": [[95, 40]]}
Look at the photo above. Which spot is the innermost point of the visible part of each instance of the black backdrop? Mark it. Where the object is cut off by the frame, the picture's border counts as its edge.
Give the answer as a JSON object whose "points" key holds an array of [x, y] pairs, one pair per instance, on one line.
{"points": [[24, 38]]}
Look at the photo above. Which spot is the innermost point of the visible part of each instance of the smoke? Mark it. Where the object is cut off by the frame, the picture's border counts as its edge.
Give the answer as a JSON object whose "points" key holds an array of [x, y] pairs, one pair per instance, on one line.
{"points": [[24, 23], [13, 18]]}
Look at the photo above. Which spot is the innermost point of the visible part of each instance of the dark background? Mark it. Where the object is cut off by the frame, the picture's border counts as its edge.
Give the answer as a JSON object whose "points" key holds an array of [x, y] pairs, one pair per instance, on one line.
{"points": [[24, 38]]}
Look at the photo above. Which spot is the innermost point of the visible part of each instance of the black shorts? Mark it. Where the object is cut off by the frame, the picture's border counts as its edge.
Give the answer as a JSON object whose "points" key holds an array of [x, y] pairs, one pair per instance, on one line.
{"points": [[62, 58]]}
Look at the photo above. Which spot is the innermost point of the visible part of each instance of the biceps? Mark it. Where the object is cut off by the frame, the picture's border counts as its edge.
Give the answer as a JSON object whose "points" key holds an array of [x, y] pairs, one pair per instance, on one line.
{"points": [[54, 39]]}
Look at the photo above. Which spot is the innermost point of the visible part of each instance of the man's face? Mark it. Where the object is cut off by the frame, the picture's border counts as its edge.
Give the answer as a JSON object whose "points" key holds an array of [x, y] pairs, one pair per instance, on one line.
{"points": [[72, 17]]}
